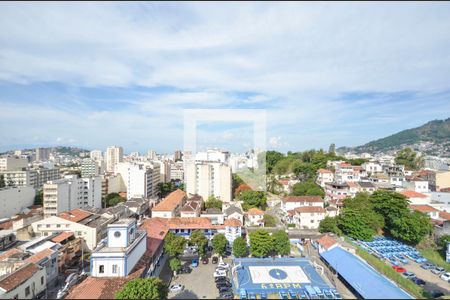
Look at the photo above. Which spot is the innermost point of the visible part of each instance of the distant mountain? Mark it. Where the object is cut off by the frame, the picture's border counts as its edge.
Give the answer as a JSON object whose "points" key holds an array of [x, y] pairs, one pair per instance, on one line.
{"points": [[432, 138]]}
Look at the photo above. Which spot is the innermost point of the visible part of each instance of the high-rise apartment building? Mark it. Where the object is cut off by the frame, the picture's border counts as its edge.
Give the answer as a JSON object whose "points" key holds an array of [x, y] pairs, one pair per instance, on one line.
{"points": [[151, 154], [42, 154], [114, 155], [96, 155], [71, 192], [137, 179], [31, 177], [178, 155], [89, 168], [208, 178]]}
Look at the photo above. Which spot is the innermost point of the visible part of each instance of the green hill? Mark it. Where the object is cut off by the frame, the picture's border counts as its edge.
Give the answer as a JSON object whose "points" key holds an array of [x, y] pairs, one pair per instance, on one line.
{"points": [[436, 132]]}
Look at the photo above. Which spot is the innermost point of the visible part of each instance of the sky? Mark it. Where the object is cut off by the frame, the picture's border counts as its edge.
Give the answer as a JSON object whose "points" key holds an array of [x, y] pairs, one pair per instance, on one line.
{"points": [[99, 74]]}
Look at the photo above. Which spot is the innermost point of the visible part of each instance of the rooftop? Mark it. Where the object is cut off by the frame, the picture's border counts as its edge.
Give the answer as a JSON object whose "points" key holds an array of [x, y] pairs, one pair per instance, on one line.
{"points": [[423, 208], [171, 201], [326, 241], [255, 211], [310, 209], [62, 236], [11, 281], [232, 222], [302, 199], [413, 194], [75, 215]]}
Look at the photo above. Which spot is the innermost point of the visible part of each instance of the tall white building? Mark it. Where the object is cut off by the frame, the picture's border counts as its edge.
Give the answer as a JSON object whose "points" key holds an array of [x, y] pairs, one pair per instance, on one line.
{"points": [[42, 154], [96, 155], [89, 168], [114, 155], [13, 163], [32, 177], [213, 155], [71, 192], [208, 178], [176, 171], [137, 179], [151, 154]]}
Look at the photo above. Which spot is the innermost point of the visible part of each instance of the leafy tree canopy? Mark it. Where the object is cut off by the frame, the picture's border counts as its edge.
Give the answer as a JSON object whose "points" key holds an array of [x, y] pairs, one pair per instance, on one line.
{"points": [[329, 224], [261, 243], [252, 199], [269, 220], [219, 244], [308, 188], [175, 264], [143, 288], [281, 242], [198, 238], [409, 159], [213, 202], [240, 248], [113, 199], [174, 244]]}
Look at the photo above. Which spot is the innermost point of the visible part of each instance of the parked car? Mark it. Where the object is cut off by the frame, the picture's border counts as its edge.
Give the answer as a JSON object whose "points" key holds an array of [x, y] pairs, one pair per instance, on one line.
{"points": [[446, 276], [226, 295], [185, 270], [175, 288], [224, 289], [427, 266], [205, 260], [214, 260], [418, 281], [223, 283], [223, 265], [436, 294], [221, 279], [409, 275], [220, 273], [438, 270], [399, 269]]}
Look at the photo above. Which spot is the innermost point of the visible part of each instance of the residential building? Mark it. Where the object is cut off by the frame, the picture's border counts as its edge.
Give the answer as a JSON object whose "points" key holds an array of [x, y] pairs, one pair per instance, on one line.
{"points": [[70, 193], [111, 184], [69, 249], [170, 206], [213, 155], [324, 176], [207, 179], [416, 185], [325, 243], [96, 155], [416, 198], [13, 163], [372, 167], [176, 171], [138, 179], [151, 155], [178, 155], [255, 217], [14, 200], [7, 239], [234, 212], [366, 187], [233, 230], [306, 217], [191, 209], [90, 168], [345, 172], [20, 178], [114, 155], [292, 202], [215, 215], [91, 227], [42, 154], [432, 212], [336, 191], [46, 174], [125, 245], [27, 282], [156, 229], [22, 223]]}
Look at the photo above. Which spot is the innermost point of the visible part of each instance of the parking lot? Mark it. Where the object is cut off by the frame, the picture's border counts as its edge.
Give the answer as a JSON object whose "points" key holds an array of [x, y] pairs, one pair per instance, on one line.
{"points": [[199, 284], [433, 281]]}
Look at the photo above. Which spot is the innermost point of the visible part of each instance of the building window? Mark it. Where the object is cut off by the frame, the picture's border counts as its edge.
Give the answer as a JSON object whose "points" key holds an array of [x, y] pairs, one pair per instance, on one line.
{"points": [[101, 269], [114, 269], [48, 225], [16, 296], [42, 280], [27, 291], [58, 225]]}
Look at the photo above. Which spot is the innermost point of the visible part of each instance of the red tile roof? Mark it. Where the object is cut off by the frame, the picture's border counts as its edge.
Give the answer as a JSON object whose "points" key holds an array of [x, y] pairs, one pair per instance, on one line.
{"points": [[324, 171], [423, 208], [171, 201], [413, 194], [191, 206], [302, 199], [255, 211], [232, 222], [310, 209], [75, 215], [39, 256], [284, 181], [352, 184], [156, 229], [9, 253], [326, 241], [63, 236], [444, 215], [190, 223], [18, 277]]}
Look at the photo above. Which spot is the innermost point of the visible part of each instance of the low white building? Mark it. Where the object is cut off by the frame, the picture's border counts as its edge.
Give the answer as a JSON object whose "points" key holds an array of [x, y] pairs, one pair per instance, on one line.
{"points": [[24, 283], [420, 186], [124, 248], [372, 167], [233, 230], [13, 163], [416, 198], [215, 215], [307, 217], [292, 202], [324, 176], [255, 217], [15, 199]]}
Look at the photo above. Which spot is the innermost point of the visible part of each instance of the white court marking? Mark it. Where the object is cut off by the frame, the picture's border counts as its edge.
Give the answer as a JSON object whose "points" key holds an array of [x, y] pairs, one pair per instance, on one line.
{"points": [[295, 274]]}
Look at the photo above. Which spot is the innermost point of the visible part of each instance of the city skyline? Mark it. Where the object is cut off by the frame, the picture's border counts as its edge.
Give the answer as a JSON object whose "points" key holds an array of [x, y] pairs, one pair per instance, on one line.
{"points": [[122, 73]]}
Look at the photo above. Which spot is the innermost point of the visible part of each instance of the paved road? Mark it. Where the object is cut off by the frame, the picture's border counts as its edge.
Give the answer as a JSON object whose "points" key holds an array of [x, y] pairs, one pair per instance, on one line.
{"points": [[433, 281], [199, 284]]}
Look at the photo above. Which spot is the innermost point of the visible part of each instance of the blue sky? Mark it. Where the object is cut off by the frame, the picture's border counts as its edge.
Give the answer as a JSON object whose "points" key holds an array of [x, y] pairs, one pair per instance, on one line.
{"points": [[98, 74]]}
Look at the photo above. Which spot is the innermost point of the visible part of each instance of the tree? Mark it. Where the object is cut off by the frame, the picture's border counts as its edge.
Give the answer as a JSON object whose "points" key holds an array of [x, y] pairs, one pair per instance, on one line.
{"points": [[409, 159], [269, 220], [39, 198], [352, 223], [261, 243], [240, 248], [241, 188], [174, 244], [304, 170], [213, 202], [2, 181], [412, 227], [273, 185], [165, 188], [271, 159], [175, 264], [113, 199], [283, 166], [198, 238], [390, 205], [219, 244], [143, 288], [236, 182], [329, 224], [253, 199], [281, 242], [308, 188], [444, 240]]}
